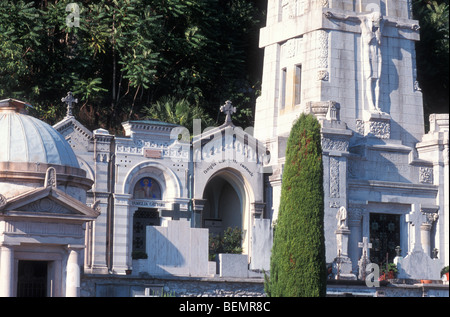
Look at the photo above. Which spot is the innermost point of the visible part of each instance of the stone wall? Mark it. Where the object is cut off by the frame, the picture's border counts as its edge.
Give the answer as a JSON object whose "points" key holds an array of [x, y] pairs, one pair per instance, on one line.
{"points": [[129, 286], [126, 286]]}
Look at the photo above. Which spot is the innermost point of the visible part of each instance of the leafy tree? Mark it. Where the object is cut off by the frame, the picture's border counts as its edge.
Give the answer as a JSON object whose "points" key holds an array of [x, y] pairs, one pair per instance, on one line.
{"points": [[128, 54], [433, 53], [297, 264], [169, 109], [229, 242]]}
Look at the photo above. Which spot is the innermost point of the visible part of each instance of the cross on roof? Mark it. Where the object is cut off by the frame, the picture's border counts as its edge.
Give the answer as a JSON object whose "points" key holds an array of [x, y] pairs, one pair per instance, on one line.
{"points": [[69, 100], [228, 109], [365, 245]]}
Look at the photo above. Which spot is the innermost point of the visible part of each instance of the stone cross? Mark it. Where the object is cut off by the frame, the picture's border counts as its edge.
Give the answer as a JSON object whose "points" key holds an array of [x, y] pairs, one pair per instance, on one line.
{"points": [[416, 218], [175, 213], [69, 100], [365, 245], [228, 109], [364, 261]]}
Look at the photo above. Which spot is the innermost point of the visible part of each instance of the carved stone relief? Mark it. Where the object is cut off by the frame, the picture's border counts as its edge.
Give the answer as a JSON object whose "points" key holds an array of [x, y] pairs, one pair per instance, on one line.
{"points": [[426, 175], [379, 129], [46, 205], [334, 144], [334, 177], [322, 56]]}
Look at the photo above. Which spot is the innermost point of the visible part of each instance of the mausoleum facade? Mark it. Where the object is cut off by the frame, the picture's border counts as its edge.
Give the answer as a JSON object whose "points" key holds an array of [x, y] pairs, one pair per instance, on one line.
{"points": [[145, 203], [43, 211], [352, 64]]}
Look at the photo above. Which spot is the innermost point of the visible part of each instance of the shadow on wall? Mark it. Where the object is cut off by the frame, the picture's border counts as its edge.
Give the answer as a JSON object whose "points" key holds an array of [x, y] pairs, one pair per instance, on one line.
{"points": [[177, 249]]}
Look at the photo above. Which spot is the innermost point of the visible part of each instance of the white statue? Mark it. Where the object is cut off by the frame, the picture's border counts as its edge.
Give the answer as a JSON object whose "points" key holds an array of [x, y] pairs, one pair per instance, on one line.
{"points": [[371, 28], [341, 217]]}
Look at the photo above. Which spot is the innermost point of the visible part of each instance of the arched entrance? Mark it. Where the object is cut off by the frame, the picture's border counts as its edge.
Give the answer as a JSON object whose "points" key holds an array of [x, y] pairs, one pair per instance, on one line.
{"points": [[225, 203]]}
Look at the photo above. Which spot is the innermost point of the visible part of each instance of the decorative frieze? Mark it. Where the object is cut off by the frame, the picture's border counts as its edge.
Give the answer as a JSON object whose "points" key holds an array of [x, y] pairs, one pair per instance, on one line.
{"points": [[44, 228], [334, 144]]}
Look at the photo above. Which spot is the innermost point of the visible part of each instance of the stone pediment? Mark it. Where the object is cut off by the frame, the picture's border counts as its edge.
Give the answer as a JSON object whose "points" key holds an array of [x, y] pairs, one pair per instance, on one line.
{"points": [[75, 133], [47, 201], [228, 142]]}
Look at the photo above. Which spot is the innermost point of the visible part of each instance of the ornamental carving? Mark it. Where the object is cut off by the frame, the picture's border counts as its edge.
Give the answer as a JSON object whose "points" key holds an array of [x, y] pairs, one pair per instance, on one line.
{"points": [[379, 129], [50, 177], [322, 39], [426, 175], [323, 75], [334, 144], [359, 126], [334, 177]]}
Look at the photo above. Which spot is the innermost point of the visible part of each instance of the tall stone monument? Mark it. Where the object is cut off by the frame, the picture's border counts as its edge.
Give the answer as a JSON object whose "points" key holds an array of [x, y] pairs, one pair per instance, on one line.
{"points": [[352, 64]]}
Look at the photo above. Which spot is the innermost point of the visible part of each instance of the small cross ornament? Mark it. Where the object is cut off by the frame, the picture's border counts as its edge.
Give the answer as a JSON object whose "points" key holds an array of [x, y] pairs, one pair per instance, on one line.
{"points": [[69, 100], [365, 245], [228, 109]]}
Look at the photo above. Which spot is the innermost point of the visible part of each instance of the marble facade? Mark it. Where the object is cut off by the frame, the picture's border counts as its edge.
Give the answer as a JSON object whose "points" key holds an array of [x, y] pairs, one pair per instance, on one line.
{"points": [[154, 194], [360, 82]]}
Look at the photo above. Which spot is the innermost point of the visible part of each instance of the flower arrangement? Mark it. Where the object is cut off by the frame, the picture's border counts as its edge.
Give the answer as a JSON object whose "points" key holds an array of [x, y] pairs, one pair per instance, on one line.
{"points": [[388, 272]]}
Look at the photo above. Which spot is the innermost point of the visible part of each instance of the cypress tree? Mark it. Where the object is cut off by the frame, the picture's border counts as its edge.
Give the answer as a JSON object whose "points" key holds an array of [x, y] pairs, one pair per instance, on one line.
{"points": [[297, 265]]}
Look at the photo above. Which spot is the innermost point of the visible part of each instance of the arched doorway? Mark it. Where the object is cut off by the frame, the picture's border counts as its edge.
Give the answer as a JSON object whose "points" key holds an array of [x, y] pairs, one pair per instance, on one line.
{"points": [[225, 204], [147, 188]]}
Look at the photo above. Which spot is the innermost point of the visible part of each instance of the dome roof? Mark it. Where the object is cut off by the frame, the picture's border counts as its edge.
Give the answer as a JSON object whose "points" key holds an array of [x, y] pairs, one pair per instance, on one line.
{"points": [[26, 139]]}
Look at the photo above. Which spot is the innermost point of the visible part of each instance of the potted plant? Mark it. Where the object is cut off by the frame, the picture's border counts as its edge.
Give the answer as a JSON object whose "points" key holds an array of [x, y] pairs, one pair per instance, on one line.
{"points": [[388, 272], [444, 271]]}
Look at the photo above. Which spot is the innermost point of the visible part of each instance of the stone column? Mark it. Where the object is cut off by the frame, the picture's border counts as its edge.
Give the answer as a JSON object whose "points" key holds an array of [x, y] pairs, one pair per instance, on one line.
{"points": [[73, 272], [123, 234], [198, 205], [7, 271], [355, 225], [425, 230]]}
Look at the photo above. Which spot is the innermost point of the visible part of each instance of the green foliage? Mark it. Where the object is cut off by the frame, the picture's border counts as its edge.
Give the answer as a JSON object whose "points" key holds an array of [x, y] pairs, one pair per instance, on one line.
{"points": [[297, 265], [229, 242], [232, 241], [390, 267], [432, 53], [128, 54], [444, 270], [181, 112]]}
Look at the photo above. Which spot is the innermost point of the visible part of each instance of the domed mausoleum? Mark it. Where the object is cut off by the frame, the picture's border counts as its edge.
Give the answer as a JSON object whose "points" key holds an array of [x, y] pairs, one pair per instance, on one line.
{"points": [[43, 210]]}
